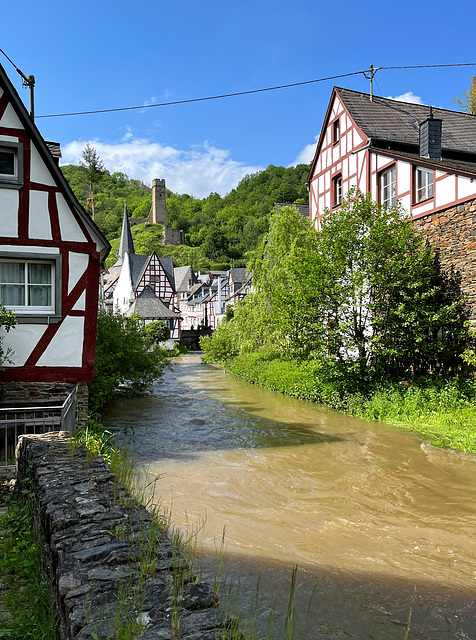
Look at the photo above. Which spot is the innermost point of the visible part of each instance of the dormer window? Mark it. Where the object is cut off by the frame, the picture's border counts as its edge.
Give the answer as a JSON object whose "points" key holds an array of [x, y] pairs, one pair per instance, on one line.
{"points": [[336, 132], [11, 164]]}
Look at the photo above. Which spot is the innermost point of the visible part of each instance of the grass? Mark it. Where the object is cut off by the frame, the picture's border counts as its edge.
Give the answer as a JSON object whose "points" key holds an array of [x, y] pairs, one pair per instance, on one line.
{"points": [[31, 616]]}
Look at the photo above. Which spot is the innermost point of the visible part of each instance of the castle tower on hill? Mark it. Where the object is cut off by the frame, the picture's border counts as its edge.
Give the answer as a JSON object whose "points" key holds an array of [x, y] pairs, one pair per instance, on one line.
{"points": [[158, 215], [158, 212]]}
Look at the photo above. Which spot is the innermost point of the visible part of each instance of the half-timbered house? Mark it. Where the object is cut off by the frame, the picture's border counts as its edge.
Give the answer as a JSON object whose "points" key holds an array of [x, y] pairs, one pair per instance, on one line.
{"points": [[423, 157], [50, 260], [132, 273]]}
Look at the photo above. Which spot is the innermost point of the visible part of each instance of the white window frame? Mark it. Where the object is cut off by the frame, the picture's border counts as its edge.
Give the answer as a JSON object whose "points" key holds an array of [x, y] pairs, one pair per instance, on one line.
{"points": [[337, 190], [15, 180], [388, 187], [424, 184], [33, 313]]}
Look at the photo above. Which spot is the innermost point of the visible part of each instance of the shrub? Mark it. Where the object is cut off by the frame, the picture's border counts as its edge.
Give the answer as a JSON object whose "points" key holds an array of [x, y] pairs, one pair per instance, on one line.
{"points": [[157, 331], [123, 357]]}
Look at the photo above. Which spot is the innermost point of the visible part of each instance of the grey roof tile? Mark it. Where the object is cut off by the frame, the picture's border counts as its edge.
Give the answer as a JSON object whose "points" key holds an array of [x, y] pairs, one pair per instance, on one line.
{"points": [[395, 121]]}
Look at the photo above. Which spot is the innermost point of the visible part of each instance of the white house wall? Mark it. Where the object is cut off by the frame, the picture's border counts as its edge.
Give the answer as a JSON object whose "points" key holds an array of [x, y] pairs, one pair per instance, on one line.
{"points": [[349, 158]]}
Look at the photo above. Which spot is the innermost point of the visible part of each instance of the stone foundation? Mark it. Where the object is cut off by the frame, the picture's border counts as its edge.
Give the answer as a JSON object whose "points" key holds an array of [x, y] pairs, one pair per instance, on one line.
{"points": [[107, 562], [453, 233]]}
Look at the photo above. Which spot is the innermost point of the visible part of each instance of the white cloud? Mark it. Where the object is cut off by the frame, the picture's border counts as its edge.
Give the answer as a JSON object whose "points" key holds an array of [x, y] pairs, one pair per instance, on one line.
{"points": [[306, 155], [197, 171], [409, 96]]}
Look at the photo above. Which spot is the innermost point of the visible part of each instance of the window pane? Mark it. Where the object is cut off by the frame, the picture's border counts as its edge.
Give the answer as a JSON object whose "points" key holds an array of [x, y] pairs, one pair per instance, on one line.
{"points": [[12, 272], [12, 295], [39, 273], [7, 162], [40, 296]]}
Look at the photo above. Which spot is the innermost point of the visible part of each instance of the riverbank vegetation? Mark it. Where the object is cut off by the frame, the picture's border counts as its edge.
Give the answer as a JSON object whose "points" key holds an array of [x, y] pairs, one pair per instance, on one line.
{"points": [[358, 316], [126, 355], [25, 610]]}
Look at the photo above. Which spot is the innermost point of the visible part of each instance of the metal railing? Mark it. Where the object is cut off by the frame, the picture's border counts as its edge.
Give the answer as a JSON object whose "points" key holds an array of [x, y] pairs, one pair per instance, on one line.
{"points": [[17, 421]]}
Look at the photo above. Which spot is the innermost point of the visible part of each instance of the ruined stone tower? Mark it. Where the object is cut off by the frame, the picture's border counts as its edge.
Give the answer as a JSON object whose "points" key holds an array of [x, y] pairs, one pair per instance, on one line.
{"points": [[158, 212]]}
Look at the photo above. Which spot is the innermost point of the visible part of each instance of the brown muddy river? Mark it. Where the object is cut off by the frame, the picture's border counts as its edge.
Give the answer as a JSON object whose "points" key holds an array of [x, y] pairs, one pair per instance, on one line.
{"points": [[377, 522]]}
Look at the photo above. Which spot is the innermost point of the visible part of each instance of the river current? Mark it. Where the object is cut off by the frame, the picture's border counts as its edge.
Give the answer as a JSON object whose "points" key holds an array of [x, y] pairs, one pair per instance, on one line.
{"points": [[378, 523]]}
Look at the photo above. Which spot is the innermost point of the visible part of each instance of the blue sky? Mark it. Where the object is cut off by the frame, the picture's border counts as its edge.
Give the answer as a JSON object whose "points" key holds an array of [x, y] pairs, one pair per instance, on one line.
{"points": [[101, 55]]}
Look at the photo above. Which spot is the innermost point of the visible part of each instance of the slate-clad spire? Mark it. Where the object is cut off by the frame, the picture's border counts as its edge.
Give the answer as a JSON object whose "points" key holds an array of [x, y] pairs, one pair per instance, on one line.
{"points": [[126, 244]]}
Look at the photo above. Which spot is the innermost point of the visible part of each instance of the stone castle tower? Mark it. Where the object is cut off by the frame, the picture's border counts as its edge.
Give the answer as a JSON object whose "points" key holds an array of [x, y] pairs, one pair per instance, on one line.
{"points": [[158, 215]]}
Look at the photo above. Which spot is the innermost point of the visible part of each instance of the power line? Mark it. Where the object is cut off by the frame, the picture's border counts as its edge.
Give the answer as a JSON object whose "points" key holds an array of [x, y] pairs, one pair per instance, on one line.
{"points": [[218, 97], [371, 70]]}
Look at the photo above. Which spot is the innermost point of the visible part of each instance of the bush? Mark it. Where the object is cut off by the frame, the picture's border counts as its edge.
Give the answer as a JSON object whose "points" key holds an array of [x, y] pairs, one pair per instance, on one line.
{"points": [[157, 331], [123, 357]]}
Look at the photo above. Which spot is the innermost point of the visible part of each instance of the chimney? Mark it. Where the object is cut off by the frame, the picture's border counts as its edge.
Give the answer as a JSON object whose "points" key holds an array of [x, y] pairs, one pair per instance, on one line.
{"points": [[159, 206], [430, 137]]}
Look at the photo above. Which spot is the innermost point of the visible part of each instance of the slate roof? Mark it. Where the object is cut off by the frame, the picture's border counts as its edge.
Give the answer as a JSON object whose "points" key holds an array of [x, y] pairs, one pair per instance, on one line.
{"points": [[398, 122], [181, 276], [126, 243], [238, 274], [149, 306], [302, 208]]}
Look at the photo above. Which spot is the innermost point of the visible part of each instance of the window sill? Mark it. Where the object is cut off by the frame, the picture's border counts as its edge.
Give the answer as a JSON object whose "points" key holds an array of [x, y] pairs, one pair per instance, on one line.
{"points": [[425, 201], [37, 319], [10, 184]]}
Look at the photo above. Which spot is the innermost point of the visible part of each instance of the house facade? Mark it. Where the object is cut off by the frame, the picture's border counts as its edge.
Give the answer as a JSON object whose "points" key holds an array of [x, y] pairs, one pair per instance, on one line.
{"points": [[132, 273], [397, 151], [51, 255]]}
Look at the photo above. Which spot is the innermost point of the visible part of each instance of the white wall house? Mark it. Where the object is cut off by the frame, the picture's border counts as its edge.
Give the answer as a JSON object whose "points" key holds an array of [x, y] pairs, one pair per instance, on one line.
{"points": [[424, 157], [50, 256]]}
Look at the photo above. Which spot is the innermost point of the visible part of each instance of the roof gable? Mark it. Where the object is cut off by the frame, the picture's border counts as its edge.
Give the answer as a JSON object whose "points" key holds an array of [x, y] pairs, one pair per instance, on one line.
{"points": [[395, 121]]}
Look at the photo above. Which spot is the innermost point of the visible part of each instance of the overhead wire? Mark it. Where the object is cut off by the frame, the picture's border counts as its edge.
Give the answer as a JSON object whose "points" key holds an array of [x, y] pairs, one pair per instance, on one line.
{"points": [[245, 93]]}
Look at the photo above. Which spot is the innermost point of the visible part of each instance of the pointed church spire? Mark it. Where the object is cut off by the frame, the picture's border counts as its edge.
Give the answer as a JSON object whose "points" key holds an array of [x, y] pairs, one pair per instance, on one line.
{"points": [[126, 244]]}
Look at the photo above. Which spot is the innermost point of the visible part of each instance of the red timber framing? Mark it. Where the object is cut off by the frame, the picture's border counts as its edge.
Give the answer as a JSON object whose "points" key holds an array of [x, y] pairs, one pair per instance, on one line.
{"points": [[155, 275], [42, 222]]}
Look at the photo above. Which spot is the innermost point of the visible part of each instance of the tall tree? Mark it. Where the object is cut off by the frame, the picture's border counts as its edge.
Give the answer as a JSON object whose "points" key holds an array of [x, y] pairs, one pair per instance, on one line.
{"points": [[93, 170]]}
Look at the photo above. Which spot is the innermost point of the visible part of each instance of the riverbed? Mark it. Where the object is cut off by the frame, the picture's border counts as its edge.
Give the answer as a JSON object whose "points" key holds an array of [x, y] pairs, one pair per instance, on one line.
{"points": [[378, 523]]}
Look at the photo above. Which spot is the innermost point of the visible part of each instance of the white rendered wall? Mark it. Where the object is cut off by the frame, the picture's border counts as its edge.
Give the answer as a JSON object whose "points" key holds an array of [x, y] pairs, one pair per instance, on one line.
{"points": [[66, 347]]}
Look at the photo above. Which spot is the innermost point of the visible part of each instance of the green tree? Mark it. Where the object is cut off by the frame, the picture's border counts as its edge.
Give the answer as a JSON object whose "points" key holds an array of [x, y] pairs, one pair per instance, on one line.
{"points": [[365, 296], [157, 331], [123, 357], [387, 305], [92, 169]]}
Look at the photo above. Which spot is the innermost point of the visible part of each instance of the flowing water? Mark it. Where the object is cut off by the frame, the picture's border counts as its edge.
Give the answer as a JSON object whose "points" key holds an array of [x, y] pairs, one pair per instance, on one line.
{"points": [[378, 522]]}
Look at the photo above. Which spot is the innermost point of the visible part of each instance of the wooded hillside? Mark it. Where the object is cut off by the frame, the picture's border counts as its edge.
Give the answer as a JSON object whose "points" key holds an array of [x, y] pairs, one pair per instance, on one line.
{"points": [[219, 231]]}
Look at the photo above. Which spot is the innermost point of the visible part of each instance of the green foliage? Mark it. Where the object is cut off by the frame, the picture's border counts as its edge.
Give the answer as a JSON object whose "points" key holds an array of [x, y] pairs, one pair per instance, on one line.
{"points": [[157, 331], [123, 357], [7, 322], [219, 232], [20, 570], [388, 306], [363, 299]]}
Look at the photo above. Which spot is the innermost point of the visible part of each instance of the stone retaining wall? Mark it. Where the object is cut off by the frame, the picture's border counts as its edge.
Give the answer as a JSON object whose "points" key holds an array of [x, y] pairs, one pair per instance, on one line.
{"points": [[107, 561], [453, 233]]}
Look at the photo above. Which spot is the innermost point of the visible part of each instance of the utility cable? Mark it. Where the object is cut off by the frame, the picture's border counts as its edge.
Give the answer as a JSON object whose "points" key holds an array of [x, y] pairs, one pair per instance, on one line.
{"points": [[372, 70]]}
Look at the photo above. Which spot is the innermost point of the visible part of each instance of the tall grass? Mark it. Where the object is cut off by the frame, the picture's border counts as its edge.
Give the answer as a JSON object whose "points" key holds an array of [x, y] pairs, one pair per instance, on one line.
{"points": [[25, 592]]}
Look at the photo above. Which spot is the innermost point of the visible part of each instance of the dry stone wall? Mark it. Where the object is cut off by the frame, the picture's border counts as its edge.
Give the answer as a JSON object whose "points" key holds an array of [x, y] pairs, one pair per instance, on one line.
{"points": [[108, 563], [453, 233]]}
